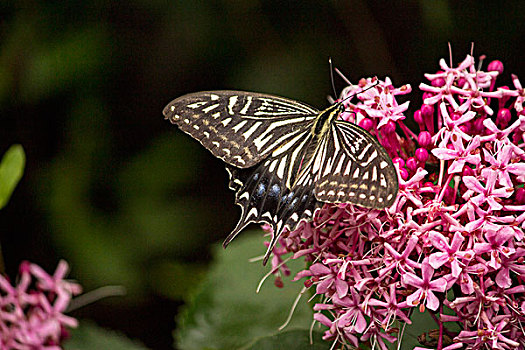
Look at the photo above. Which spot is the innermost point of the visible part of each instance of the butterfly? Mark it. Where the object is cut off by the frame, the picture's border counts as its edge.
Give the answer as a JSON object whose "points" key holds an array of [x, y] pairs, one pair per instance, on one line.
{"points": [[286, 158]]}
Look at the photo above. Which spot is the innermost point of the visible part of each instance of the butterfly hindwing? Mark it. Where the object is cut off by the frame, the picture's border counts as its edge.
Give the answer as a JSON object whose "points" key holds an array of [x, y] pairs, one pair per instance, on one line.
{"points": [[265, 198], [238, 127], [354, 168]]}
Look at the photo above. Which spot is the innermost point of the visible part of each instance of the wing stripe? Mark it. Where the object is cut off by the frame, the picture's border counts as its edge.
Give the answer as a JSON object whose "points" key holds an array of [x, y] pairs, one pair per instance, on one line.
{"points": [[231, 102], [247, 105]]}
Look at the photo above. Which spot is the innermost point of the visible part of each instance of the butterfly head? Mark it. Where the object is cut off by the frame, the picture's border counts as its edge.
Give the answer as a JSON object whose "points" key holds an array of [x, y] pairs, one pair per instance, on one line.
{"points": [[340, 107]]}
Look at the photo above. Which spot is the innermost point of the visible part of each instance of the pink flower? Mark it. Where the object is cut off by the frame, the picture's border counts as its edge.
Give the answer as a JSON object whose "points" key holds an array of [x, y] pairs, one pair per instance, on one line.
{"points": [[33, 317], [459, 153], [480, 194], [518, 105], [450, 253], [425, 287], [457, 226], [495, 246]]}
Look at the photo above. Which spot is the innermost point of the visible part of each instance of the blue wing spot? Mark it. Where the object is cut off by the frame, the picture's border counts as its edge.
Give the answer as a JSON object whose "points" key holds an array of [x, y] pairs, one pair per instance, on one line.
{"points": [[294, 202], [260, 190], [275, 190], [285, 200]]}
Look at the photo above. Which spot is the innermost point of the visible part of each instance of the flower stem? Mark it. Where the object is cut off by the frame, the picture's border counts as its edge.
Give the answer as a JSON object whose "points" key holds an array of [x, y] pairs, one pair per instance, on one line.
{"points": [[445, 186]]}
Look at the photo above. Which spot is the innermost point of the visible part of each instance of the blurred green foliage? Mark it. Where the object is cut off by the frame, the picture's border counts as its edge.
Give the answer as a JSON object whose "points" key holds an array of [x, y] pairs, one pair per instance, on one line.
{"points": [[225, 312], [120, 193], [90, 337]]}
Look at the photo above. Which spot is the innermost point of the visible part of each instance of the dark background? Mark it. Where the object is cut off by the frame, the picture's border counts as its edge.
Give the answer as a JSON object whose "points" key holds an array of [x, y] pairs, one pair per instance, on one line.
{"points": [[122, 195]]}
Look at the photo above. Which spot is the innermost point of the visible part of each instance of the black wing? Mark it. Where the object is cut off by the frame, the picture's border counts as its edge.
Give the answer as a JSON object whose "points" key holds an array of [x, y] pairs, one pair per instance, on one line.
{"points": [[241, 128]]}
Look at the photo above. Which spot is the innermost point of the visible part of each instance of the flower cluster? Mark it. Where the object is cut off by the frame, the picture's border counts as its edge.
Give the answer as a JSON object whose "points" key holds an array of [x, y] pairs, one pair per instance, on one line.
{"points": [[452, 243], [32, 312]]}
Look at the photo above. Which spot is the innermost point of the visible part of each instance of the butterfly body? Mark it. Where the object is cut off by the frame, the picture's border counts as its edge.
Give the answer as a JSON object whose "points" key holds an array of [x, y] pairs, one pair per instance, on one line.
{"points": [[286, 158]]}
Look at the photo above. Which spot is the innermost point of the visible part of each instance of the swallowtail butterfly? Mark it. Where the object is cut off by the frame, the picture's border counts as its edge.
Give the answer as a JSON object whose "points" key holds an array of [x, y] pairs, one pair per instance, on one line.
{"points": [[284, 157]]}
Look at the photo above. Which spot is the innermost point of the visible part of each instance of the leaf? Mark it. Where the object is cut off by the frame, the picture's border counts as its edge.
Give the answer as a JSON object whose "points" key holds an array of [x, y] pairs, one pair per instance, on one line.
{"points": [[11, 170], [92, 337], [297, 339], [227, 313]]}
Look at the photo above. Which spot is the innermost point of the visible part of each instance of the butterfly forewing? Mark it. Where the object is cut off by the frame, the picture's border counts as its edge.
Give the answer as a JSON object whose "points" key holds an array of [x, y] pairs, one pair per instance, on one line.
{"points": [[354, 168], [238, 127]]}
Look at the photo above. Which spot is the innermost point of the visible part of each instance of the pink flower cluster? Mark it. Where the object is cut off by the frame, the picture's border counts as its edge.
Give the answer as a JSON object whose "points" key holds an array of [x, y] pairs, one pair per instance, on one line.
{"points": [[32, 312], [452, 243]]}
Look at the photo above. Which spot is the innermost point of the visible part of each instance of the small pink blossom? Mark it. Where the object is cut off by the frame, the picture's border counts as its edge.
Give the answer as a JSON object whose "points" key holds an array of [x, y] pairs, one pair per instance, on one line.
{"points": [[425, 287], [33, 317]]}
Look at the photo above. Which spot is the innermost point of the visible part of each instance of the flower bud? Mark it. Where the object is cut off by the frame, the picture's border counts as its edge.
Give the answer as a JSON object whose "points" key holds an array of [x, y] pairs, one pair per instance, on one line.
{"points": [[467, 171], [478, 126], [427, 111], [495, 66], [404, 173], [421, 155], [399, 161], [366, 124], [411, 164], [424, 139], [389, 127], [503, 118], [465, 128], [438, 82], [418, 118], [427, 95]]}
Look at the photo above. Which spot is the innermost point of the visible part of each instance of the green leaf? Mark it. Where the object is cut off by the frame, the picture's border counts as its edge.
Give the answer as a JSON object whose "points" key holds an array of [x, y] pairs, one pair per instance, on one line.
{"points": [[11, 170], [92, 337], [297, 339], [227, 313]]}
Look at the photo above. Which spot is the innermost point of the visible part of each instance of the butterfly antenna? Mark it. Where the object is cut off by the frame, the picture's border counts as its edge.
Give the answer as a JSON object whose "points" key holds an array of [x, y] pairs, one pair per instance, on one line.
{"points": [[360, 92], [332, 77]]}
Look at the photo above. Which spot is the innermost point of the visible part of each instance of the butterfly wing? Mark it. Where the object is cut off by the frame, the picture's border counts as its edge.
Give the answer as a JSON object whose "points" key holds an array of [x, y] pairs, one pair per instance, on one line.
{"points": [[352, 167], [264, 194], [241, 128]]}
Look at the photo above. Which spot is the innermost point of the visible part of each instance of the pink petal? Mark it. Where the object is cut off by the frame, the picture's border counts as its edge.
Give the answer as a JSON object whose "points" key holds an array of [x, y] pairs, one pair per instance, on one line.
{"points": [[432, 301], [413, 299], [455, 268], [324, 285], [360, 324], [437, 260], [503, 278], [444, 153], [456, 166], [439, 285], [341, 288], [320, 269], [411, 279], [473, 184]]}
